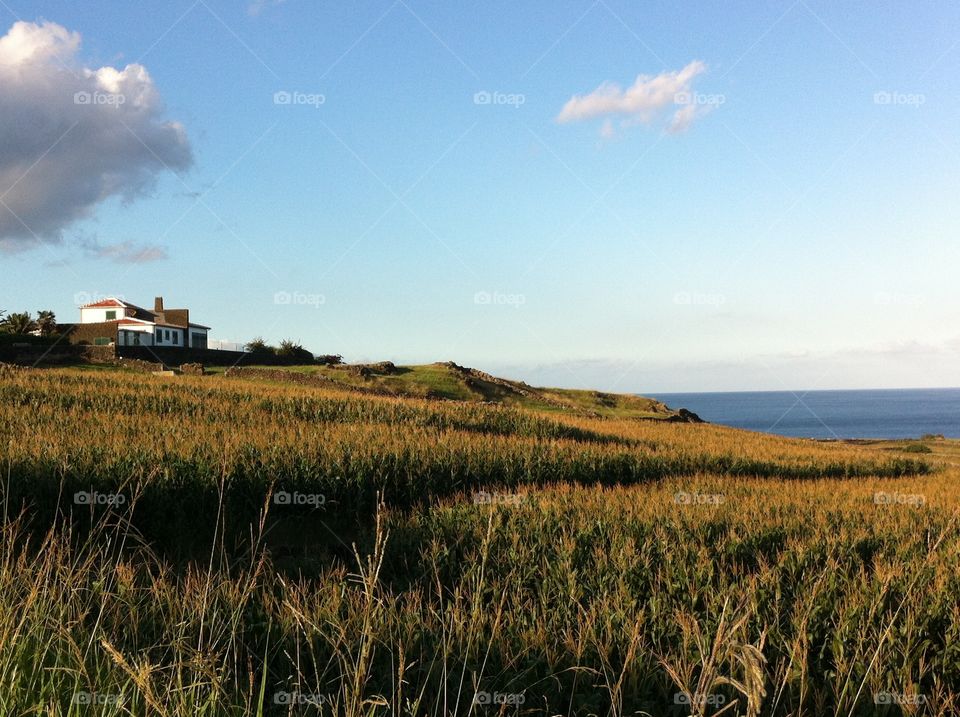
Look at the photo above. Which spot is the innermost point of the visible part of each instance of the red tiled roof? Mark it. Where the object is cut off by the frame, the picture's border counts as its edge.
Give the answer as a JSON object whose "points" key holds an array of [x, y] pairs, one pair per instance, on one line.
{"points": [[102, 303]]}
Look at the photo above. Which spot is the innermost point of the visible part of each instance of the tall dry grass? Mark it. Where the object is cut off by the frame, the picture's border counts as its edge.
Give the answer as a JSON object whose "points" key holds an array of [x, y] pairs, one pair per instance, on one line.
{"points": [[615, 567]]}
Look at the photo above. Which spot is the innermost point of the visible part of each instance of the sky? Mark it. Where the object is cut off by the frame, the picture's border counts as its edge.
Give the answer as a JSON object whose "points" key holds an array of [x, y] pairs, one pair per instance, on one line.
{"points": [[636, 197]]}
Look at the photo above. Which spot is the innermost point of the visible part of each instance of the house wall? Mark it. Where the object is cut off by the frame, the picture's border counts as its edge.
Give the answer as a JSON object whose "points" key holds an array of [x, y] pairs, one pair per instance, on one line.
{"points": [[164, 336], [179, 317], [95, 315]]}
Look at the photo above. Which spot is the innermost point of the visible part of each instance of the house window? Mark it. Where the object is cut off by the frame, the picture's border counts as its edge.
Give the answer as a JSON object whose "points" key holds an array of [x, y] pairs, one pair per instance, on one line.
{"points": [[136, 338], [111, 315], [198, 340], [176, 338], [101, 341]]}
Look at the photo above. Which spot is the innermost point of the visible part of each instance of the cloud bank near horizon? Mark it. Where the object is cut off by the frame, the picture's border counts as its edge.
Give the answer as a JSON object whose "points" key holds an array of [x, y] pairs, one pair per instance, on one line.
{"points": [[72, 136], [649, 97], [892, 365]]}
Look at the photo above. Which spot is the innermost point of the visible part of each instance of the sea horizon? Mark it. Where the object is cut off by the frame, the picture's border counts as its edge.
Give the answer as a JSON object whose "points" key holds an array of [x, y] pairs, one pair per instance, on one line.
{"points": [[839, 414]]}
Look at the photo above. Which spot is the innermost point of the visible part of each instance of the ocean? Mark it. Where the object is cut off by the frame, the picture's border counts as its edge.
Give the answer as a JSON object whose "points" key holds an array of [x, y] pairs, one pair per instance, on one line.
{"points": [[888, 413]]}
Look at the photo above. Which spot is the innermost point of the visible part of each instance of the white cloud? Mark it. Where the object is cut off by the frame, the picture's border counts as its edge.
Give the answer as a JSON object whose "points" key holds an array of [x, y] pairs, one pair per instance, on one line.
{"points": [[646, 99], [683, 118], [125, 252], [71, 136]]}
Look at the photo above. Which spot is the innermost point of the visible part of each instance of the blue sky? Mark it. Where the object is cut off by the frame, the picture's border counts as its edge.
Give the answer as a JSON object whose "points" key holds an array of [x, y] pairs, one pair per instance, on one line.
{"points": [[799, 232]]}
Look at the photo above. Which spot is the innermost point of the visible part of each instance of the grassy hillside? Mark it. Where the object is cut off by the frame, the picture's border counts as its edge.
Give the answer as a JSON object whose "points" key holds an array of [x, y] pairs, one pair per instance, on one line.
{"points": [[257, 544], [449, 381]]}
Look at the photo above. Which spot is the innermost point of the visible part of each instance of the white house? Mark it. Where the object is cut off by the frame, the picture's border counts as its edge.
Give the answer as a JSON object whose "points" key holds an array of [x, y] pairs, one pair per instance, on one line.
{"points": [[136, 326]]}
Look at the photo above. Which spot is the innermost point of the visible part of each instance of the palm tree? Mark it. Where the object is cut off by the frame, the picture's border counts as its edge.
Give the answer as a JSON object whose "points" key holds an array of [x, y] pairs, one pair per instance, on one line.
{"points": [[46, 322], [21, 323]]}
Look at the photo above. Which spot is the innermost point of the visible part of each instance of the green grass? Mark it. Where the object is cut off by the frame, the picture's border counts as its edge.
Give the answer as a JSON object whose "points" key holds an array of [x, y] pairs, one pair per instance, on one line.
{"points": [[442, 381], [425, 381]]}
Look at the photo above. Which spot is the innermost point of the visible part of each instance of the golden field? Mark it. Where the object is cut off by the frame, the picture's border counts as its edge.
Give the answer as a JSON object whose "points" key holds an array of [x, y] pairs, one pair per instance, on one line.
{"points": [[213, 545]]}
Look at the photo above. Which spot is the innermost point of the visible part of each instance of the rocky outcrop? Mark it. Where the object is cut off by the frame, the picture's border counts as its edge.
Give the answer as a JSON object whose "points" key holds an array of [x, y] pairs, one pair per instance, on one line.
{"points": [[140, 365], [475, 378], [685, 416]]}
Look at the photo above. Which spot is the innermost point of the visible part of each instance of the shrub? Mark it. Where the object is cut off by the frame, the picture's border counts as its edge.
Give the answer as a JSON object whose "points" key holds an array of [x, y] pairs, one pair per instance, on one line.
{"points": [[329, 359]]}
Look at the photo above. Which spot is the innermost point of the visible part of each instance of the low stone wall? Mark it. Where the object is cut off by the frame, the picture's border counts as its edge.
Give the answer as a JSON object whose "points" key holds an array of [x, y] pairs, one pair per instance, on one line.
{"points": [[140, 366], [97, 354], [276, 374]]}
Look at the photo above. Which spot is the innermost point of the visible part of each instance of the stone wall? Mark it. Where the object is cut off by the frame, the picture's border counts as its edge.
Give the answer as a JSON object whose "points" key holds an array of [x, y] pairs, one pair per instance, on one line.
{"points": [[89, 333]]}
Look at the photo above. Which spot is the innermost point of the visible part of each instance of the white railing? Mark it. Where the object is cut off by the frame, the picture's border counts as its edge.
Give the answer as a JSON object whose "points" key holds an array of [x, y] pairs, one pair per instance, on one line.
{"points": [[219, 345]]}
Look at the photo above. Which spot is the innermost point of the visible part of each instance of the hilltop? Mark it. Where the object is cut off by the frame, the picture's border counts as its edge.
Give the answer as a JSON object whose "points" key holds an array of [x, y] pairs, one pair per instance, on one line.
{"points": [[449, 381]]}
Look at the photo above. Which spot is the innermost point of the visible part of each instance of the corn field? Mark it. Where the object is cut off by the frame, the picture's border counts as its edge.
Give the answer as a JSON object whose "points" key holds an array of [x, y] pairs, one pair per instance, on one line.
{"points": [[215, 546]]}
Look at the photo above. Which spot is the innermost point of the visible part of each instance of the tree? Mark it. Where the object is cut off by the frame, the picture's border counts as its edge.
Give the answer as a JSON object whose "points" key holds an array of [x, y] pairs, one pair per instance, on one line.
{"points": [[20, 323], [46, 322], [259, 346], [291, 349]]}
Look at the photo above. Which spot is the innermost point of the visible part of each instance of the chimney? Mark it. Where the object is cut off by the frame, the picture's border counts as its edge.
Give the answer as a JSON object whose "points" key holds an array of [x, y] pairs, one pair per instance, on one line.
{"points": [[158, 305]]}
